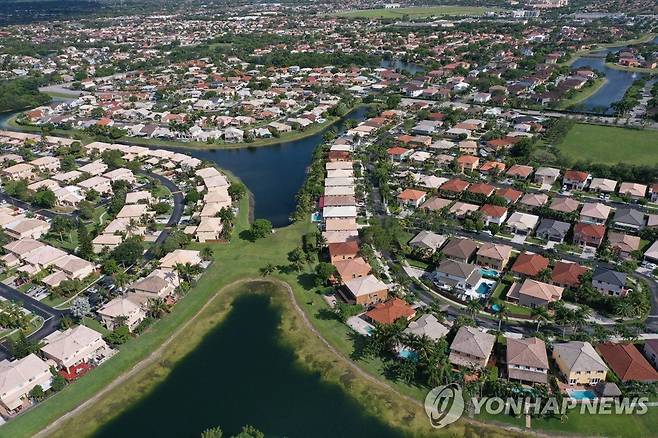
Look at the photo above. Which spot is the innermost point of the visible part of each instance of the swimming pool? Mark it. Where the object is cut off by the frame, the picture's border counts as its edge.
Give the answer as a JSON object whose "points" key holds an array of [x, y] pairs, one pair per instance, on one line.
{"points": [[483, 289], [405, 353], [489, 273], [582, 394]]}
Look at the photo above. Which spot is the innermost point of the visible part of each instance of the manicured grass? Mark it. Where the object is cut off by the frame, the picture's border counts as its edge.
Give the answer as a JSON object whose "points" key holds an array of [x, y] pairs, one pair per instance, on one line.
{"points": [[583, 94], [610, 145], [420, 12], [94, 324]]}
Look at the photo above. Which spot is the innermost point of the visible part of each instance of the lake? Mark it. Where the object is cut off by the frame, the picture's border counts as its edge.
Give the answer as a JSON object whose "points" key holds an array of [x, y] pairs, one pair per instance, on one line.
{"points": [[242, 374], [618, 81], [274, 174]]}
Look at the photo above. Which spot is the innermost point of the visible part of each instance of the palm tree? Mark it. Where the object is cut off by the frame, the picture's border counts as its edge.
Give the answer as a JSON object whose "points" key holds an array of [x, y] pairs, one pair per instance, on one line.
{"points": [[120, 279], [541, 315], [207, 253], [474, 307], [186, 271], [157, 307], [580, 317], [501, 314]]}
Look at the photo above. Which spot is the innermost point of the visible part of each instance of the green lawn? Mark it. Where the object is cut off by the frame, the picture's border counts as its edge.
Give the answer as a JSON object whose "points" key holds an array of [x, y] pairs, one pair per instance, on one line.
{"points": [[610, 145], [421, 12], [582, 94]]}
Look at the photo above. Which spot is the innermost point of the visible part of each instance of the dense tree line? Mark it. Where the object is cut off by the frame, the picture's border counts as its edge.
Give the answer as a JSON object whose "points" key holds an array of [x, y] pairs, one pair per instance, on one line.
{"points": [[19, 94]]}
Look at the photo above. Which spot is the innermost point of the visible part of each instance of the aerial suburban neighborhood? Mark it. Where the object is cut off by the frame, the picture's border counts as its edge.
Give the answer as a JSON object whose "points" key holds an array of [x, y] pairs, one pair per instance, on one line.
{"points": [[362, 202]]}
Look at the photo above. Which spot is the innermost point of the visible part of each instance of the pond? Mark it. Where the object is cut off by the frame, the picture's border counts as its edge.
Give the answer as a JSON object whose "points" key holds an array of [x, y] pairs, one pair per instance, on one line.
{"points": [[243, 374], [618, 81], [400, 65], [274, 174]]}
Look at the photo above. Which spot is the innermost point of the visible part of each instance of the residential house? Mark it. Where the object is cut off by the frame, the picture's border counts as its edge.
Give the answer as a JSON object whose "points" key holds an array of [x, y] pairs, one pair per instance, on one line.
{"points": [[18, 378], [460, 249], [494, 255], [522, 223], [623, 245], [519, 171], [629, 219], [575, 179], [99, 184], [579, 363], [633, 190], [181, 257], [74, 346], [352, 268], [547, 175], [651, 351], [366, 291], [603, 185], [534, 200], [18, 171], [594, 213], [529, 264], [471, 348], [390, 311], [493, 214], [467, 162], [427, 325], [567, 274], [564, 205], [453, 274], [343, 251], [532, 293], [527, 361], [651, 254], [627, 362], [46, 164], [25, 228], [609, 282], [591, 235], [427, 241], [510, 195], [552, 230], [124, 309], [158, 284], [412, 198]]}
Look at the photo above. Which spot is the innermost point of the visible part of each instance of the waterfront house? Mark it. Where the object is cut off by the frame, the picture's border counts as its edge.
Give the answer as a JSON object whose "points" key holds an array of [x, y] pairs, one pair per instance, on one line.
{"points": [[579, 363], [366, 291], [390, 311], [343, 251], [128, 309], [158, 284], [471, 348], [74, 346], [18, 378], [527, 361]]}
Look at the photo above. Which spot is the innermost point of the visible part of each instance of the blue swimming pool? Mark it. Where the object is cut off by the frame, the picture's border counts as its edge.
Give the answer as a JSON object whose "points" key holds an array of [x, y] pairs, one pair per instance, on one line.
{"points": [[405, 353], [483, 289], [495, 308], [582, 394], [489, 273]]}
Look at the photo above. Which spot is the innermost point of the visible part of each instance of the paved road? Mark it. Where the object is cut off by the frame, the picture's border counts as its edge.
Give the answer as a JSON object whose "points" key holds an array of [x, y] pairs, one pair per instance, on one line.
{"points": [[176, 214], [52, 317]]}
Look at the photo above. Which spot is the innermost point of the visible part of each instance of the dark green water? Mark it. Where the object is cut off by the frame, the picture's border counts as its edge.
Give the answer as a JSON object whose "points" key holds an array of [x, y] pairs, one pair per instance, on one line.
{"points": [[242, 374]]}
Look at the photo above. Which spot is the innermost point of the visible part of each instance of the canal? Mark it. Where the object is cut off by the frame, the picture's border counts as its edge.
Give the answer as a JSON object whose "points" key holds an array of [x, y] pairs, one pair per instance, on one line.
{"points": [[243, 374], [618, 81], [273, 174]]}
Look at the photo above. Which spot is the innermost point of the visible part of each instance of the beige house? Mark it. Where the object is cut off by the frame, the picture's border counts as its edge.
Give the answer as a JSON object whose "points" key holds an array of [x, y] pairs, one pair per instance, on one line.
{"points": [[128, 307], [74, 346], [594, 213], [579, 363], [140, 197], [18, 377], [182, 257], [46, 164], [210, 228], [74, 267], [527, 360], [160, 283], [98, 183], [471, 348], [69, 196], [18, 171], [134, 211], [492, 255], [366, 290], [121, 174], [94, 168], [27, 228], [532, 293], [109, 241]]}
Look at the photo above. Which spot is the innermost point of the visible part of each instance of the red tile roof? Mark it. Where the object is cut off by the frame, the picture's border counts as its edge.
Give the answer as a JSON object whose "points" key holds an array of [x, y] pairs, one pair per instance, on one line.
{"points": [[411, 195], [567, 273], [397, 151], [491, 210], [627, 362], [482, 189], [391, 311], [349, 248], [529, 264], [454, 185], [576, 175], [510, 194], [589, 230]]}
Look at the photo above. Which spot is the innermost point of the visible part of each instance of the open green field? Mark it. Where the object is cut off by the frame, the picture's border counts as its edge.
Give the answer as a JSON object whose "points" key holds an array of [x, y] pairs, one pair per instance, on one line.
{"points": [[610, 145], [421, 12]]}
